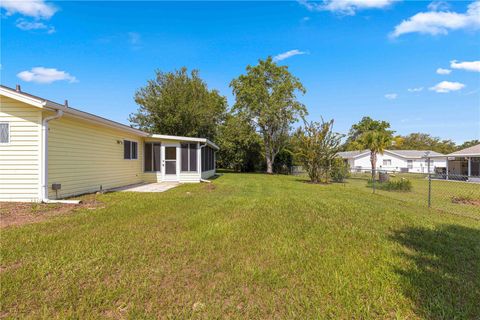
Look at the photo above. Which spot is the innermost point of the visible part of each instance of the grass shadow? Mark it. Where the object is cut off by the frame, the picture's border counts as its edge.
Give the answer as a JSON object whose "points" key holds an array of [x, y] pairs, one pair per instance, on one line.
{"points": [[442, 276]]}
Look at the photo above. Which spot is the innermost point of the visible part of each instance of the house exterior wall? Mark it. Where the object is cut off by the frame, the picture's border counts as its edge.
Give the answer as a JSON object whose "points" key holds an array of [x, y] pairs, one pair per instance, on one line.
{"points": [[85, 157], [397, 163], [20, 159]]}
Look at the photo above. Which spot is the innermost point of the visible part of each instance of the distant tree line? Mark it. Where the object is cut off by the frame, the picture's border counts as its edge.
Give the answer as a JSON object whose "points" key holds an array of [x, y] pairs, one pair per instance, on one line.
{"points": [[256, 133]]}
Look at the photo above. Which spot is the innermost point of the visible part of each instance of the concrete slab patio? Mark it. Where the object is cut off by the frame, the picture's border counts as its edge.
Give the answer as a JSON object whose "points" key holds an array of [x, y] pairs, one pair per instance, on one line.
{"points": [[148, 187]]}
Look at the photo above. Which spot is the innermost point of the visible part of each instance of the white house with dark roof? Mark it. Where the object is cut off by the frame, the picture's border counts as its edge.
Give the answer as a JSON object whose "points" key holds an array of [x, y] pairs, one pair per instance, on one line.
{"points": [[396, 160]]}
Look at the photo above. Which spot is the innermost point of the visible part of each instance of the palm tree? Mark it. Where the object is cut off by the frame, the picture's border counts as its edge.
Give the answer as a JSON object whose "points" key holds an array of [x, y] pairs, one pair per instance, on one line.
{"points": [[376, 142]]}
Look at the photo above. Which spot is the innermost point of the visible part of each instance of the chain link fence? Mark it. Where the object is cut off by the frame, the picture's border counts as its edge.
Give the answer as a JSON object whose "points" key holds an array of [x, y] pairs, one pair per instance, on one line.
{"points": [[452, 193]]}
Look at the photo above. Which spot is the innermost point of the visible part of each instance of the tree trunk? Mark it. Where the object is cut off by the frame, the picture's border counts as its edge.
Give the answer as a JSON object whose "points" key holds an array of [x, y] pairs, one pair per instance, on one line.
{"points": [[269, 163], [269, 156], [373, 161]]}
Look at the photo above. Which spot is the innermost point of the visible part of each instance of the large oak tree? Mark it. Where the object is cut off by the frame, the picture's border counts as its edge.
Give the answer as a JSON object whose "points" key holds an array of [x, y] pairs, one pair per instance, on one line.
{"points": [[267, 96], [179, 103]]}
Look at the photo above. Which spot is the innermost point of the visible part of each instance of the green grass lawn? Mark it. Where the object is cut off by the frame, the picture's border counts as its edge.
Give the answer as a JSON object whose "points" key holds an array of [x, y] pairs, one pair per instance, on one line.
{"points": [[247, 246]]}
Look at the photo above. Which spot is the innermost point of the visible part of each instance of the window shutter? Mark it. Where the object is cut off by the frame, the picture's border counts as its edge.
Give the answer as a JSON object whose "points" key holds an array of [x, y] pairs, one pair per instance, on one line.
{"points": [[4, 133]]}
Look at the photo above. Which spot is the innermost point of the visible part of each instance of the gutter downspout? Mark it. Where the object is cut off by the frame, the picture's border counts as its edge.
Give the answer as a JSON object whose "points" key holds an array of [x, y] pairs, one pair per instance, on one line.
{"points": [[44, 166], [201, 160]]}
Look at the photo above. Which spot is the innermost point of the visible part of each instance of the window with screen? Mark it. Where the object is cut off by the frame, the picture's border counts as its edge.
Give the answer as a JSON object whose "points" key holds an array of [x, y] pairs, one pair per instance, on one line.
{"points": [[387, 162], [208, 159], [130, 150], [152, 157], [189, 157], [4, 133]]}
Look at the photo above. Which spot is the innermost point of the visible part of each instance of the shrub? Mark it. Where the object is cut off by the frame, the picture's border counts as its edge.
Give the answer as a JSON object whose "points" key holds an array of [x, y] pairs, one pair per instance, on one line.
{"points": [[340, 170], [392, 185]]}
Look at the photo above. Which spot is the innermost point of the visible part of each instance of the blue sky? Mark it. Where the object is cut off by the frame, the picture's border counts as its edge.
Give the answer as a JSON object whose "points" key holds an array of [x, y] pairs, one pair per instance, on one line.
{"points": [[376, 58]]}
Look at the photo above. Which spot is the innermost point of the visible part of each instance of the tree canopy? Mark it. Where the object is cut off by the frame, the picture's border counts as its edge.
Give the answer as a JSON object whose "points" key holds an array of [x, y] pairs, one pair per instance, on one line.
{"points": [[423, 141], [267, 96], [240, 144], [179, 103], [364, 125]]}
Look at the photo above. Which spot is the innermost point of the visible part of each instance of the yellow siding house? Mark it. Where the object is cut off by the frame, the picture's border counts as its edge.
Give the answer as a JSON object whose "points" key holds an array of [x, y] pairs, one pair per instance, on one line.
{"points": [[51, 151]]}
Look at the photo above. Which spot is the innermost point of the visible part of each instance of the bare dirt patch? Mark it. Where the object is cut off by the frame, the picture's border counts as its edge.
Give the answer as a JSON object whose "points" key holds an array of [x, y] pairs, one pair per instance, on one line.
{"points": [[466, 200], [210, 187], [20, 213]]}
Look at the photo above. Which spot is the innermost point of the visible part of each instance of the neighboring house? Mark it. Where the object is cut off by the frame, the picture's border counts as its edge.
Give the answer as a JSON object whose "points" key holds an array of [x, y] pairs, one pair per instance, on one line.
{"points": [[51, 151], [394, 160], [464, 162]]}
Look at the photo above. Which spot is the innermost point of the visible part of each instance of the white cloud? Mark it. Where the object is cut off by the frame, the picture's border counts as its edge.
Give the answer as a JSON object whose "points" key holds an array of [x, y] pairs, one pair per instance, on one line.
{"points": [[45, 75], [447, 86], [440, 22], [443, 71], [288, 54], [418, 89], [33, 8], [346, 7], [466, 65], [34, 25], [438, 6], [391, 96]]}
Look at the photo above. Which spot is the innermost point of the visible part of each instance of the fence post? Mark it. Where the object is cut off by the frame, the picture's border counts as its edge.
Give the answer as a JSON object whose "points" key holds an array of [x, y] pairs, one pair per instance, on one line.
{"points": [[374, 176], [429, 189]]}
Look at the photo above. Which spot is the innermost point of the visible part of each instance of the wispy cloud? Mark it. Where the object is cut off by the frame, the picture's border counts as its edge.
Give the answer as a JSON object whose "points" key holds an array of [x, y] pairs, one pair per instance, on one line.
{"points": [[438, 6], [34, 25], [466, 65], [35, 10], [288, 54], [32, 8], [440, 22], [45, 75], [135, 40], [443, 71], [391, 96], [345, 7], [447, 86], [418, 89]]}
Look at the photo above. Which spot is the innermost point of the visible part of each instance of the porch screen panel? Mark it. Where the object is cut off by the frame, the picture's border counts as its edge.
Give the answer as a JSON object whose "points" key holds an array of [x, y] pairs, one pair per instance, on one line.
{"points": [[203, 153], [193, 157], [184, 157], [148, 157], [156, 157]]}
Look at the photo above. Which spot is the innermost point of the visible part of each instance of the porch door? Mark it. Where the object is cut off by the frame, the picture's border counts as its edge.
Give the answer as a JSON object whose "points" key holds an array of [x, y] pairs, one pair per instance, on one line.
{"points": [[170, 172]]}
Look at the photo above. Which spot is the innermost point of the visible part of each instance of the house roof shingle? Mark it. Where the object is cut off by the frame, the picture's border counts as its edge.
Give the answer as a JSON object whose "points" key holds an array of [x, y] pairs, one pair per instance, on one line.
{"points": [[471, 151]]}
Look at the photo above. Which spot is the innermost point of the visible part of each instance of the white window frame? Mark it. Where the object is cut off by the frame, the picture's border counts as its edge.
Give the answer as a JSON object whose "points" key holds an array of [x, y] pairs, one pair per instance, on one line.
{"points": [[131, 148], [389, 164], [9, 133]]}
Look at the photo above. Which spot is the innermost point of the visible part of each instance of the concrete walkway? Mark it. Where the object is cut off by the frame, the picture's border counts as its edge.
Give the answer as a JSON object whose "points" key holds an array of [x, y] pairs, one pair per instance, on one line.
{"points": [[148, 187]]}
